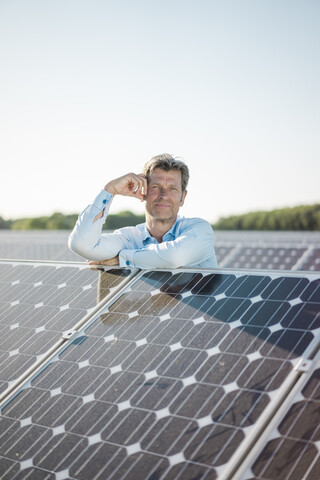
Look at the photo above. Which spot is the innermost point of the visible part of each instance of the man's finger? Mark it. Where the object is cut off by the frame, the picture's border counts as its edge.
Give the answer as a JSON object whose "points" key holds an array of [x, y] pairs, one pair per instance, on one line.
{"points": [[111, 262], [144, 188]]}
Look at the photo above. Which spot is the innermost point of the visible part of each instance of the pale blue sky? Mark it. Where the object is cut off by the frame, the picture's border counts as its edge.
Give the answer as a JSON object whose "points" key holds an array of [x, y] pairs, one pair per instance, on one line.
{"points": [[92, 89]]}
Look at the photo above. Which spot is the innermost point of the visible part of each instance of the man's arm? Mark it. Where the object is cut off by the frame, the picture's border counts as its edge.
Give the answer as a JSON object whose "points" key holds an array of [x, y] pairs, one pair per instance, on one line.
{"points": [[86, 238], [194, 245]]}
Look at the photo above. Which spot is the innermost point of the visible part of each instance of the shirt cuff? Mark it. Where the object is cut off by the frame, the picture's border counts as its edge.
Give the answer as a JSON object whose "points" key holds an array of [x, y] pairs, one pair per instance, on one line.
{"points": [[102, 202], [126, 258], [102, 199]]}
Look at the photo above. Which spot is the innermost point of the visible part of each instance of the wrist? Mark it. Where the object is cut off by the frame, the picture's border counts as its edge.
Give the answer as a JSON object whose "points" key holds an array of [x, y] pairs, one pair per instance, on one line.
{"points": [[110, 189]]}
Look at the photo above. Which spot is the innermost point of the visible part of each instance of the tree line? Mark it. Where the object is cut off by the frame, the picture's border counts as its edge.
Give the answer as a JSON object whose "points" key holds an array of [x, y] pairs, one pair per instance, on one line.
{"points": [[305, 217], [59, 221]]}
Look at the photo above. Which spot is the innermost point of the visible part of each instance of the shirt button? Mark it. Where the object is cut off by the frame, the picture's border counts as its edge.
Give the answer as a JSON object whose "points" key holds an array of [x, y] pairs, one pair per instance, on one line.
{"points": [[127, 262], [104, 201]]}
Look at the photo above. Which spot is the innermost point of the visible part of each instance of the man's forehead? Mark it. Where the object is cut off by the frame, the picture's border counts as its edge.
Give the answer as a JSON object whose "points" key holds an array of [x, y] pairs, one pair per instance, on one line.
{"points": [[172, 176]]}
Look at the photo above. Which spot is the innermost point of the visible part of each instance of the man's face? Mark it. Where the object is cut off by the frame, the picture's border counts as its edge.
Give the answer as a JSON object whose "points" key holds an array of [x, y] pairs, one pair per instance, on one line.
{"points": [[164, 196]]}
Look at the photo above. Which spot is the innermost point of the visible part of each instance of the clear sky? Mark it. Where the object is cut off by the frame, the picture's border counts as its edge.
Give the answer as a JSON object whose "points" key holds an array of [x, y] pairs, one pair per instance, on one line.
{"points": [[91, 89]]}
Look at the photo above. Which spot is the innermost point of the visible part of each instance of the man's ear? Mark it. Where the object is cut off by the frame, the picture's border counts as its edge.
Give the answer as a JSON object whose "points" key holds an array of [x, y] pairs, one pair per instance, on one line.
{"points": [[183, 198]]}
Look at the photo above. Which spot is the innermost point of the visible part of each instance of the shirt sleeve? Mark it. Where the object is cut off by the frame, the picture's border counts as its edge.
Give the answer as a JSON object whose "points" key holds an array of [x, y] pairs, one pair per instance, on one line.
{"points": [[87, 239], [193, 245]]}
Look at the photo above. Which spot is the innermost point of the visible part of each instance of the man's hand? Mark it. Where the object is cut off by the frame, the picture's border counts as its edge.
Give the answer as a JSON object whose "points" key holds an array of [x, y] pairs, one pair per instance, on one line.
{"points": [[109, 263], [129, 185]]}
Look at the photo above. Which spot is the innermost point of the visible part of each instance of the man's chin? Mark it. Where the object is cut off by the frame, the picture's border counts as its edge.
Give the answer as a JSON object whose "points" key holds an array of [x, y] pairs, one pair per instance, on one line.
{"points": [[162, 214], [164, 218]]}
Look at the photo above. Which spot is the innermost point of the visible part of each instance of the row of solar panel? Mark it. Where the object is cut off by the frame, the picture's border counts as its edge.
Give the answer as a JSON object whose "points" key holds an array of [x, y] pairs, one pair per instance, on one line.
{"points": [[122, 374], [232, 252]]}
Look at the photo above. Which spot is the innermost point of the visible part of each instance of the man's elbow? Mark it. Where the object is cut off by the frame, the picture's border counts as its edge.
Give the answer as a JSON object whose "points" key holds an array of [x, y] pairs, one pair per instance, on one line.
{"points": [[77, 245]]}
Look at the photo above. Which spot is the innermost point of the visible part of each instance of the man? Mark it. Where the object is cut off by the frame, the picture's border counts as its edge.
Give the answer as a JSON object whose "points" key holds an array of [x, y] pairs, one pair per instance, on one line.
{"points": [[164, 241]]}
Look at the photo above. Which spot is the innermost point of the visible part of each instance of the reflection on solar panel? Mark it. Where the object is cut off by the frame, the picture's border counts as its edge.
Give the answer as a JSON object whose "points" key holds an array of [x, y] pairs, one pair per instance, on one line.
{"points": [[173, 379], [40, 302]]}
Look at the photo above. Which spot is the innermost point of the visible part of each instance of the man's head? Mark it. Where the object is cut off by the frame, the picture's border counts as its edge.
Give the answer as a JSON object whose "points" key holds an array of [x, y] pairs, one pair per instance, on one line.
{"points": [[167, 162], [167, 182]]}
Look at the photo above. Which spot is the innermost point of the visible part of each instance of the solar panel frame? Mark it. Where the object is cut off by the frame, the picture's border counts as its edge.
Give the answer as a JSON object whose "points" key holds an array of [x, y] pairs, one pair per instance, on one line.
{"points": [[182, 290]]}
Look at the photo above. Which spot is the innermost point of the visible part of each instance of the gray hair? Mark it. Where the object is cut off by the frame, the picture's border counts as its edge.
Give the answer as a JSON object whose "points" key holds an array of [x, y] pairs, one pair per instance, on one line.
{"points": [[167, 162]]}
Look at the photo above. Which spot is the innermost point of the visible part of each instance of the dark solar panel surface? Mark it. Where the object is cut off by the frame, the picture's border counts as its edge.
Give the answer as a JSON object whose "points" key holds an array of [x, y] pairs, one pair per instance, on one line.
{"points": [[293, 451], [168, 382], [38, 303]]}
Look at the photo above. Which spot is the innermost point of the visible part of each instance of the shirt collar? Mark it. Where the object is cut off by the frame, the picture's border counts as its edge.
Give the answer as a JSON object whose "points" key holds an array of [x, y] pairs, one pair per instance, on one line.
{"points": [[170, 235]]}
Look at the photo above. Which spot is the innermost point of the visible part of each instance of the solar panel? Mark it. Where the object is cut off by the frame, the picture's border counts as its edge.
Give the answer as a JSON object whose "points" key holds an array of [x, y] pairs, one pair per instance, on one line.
{"points": [[280, 258], [268, 250], [292, 450], [262, 237], [312, 262], [36, 245], [171, 380], [41, 301], [223, 253]]}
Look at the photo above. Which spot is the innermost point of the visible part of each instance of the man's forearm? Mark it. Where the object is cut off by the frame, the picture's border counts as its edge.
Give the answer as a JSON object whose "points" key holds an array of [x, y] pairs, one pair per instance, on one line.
{"points": [[87, 239], [185, 250]]}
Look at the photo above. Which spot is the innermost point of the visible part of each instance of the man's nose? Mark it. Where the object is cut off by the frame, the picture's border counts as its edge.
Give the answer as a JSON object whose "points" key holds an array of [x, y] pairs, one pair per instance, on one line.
{"points": [[163, 192]]}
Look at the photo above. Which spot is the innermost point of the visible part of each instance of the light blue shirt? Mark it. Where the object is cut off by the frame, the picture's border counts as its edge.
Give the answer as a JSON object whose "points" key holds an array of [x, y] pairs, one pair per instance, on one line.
{"points": [[188, 243]]}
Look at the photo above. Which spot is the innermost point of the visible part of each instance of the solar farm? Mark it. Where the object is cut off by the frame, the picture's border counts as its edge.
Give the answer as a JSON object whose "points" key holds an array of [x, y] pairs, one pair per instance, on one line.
{"points": [[112, 373]]}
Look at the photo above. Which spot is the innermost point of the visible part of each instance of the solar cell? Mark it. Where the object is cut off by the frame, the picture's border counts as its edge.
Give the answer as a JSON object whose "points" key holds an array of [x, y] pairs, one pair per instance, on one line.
{"points": [[169, 381], [38, 303]]}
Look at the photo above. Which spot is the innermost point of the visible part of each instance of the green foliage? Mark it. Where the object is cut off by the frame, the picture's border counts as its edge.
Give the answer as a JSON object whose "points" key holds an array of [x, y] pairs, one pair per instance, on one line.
{"points": [[123, 219], [59, 221], [305, 217]]}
